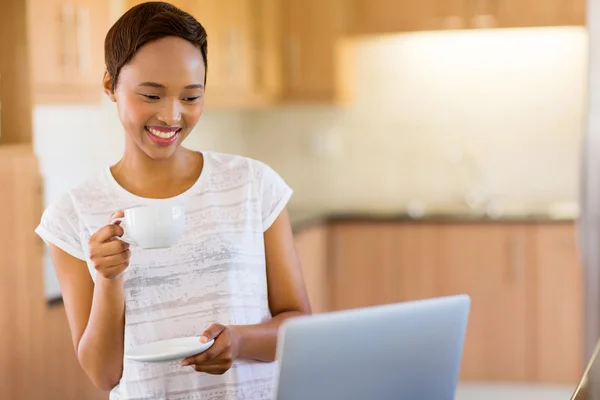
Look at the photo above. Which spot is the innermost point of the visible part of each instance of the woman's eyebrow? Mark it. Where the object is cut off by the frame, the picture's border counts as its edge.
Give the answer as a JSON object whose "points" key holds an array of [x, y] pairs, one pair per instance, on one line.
{"points": [[161, 86]]}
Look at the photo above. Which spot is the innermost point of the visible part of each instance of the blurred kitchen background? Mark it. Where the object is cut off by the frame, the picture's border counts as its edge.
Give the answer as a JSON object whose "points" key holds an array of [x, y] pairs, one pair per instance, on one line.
{"points": [[435, 147]]}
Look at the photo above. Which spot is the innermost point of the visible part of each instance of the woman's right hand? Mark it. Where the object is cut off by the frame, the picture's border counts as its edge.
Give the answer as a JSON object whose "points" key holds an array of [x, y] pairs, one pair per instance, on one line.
{"points": [[109, 256]]}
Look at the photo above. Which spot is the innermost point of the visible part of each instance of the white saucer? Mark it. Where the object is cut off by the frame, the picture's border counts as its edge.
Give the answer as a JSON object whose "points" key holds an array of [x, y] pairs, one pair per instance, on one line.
{"points": [[168, 350]]}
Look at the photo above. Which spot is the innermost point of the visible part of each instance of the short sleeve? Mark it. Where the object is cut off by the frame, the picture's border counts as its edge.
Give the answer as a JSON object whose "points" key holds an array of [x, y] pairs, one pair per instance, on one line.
{"points": [[60, 226], [273, 191]]}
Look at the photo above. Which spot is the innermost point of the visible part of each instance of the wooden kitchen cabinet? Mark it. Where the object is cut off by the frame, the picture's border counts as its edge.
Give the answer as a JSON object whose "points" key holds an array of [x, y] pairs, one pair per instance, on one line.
{"points": [[524, 279], [312, 63], [39, 360], [66, 42], [244, 66], [240, 43], [362, 259], [526, 287], [21, 275], [380, 263], [395, 16], [263, 52], [492, 263], [559, 299]]}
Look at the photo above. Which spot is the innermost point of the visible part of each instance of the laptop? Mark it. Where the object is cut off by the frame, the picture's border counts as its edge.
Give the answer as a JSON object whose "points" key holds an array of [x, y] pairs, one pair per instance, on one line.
{"points": [[409, 350]]}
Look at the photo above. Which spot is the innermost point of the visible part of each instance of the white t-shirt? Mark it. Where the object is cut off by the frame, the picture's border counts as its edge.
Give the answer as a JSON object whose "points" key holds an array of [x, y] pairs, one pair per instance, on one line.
{"points": [[216, 272]]}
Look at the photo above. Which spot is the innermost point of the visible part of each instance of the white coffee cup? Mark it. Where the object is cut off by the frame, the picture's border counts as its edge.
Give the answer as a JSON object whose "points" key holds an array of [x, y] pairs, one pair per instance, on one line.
{"points": [[153, 226]]}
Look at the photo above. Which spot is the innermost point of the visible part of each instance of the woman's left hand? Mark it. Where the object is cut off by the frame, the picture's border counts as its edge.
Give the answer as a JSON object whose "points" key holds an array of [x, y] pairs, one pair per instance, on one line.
{"points": [[220, 357]]}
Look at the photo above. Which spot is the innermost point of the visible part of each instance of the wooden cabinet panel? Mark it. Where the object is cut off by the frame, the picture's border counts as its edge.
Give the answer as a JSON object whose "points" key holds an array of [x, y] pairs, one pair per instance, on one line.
{"points": [[492, 264], [64, 378], [38, 357], [15, 85], [382, 263], [244, 45], [411, 274], [311, 31], [21, 288], [559, 300], [66, 50], [312, 249], [361, 254], [242, 42]]}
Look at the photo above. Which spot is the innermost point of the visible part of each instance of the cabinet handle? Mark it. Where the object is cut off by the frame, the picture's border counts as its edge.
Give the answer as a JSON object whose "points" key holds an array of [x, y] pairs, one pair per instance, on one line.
{"points": [[82, 25], [517, 261]]}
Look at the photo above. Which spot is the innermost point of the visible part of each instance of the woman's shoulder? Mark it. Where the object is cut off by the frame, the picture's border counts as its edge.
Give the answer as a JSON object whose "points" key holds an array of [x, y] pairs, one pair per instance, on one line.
{"points": [[227, 164]]}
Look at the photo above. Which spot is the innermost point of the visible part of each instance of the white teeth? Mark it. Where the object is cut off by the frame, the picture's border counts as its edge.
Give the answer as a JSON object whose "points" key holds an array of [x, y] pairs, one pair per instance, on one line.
{"points": [[163, 135]]}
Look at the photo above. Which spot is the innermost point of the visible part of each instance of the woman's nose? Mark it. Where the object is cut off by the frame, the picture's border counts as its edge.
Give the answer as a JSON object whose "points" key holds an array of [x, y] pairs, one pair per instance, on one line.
{"points": [[170, 114]]}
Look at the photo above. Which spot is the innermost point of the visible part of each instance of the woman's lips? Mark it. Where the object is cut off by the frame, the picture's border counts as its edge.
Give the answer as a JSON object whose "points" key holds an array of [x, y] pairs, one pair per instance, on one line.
{"points": [[163, 135]]}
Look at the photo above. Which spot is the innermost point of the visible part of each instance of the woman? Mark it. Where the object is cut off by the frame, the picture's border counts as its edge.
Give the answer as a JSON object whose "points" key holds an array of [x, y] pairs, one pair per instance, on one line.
{"points": [[233, 276]]}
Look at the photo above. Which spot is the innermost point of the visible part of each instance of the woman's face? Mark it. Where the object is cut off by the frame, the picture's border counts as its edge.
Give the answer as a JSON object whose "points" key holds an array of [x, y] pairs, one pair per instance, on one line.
{"points": [[160, 95]]}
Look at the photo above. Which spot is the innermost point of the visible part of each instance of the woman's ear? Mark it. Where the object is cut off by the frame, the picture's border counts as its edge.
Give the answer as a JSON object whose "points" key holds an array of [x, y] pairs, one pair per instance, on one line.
{"points": [[107, 86]]}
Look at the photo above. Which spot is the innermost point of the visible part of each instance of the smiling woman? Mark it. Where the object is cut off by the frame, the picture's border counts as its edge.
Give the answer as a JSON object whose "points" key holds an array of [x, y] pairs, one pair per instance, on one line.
{"points": [[232, 277]]}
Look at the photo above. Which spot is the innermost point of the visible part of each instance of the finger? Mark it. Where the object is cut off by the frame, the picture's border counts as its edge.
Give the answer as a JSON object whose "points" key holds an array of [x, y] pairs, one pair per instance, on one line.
{"points": [[107, 232], [115, 260], [110, 248], [212, 369], [118, 214], [114, 271], [223, 358], [212, 332], [206, 356]]}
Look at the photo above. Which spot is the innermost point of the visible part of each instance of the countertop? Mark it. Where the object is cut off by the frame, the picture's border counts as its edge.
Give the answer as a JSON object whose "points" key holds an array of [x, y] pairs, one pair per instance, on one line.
{"points": [[303, 217]]}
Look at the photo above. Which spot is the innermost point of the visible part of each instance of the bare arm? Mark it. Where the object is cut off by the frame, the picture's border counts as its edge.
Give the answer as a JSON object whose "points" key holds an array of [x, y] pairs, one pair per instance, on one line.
{"points": [[96, 313]]}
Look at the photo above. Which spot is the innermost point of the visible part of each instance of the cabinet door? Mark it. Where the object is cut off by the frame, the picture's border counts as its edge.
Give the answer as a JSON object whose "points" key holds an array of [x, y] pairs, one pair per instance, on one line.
{"points": [[311, 29], [411, 273], [393, 16], [50, 49], [560, 305], [92, 22], [312, 245], [382, 263], [241, 44], [67, 50], [491, 263], [362, 254]]}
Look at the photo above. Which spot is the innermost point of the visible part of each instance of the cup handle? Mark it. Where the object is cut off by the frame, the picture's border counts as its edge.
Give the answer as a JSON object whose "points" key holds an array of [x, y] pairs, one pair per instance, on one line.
{"points": [[121, 221]]}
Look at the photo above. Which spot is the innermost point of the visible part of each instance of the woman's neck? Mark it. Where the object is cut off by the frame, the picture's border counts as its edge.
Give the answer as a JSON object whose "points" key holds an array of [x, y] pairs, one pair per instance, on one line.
{"points": [[146, 177]]}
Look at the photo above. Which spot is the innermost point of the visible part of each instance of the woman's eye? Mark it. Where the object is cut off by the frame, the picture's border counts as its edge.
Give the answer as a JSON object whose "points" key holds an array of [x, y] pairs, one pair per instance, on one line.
{"points": [[151, 96], [190, 99]]}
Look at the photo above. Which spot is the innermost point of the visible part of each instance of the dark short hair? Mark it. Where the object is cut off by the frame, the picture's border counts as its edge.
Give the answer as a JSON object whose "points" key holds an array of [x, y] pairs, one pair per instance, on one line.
{"points": [[143, 24]]}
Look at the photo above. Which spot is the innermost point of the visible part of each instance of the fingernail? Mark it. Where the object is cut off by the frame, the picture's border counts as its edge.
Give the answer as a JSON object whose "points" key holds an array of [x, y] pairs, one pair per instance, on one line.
{"points": [[185, 363], [203, 339]]}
